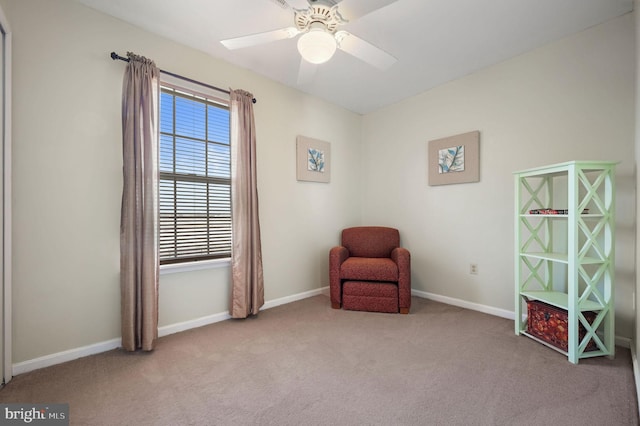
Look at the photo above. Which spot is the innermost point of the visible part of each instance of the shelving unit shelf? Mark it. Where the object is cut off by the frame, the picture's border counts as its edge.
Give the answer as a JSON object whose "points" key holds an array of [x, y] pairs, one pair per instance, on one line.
{"points": [[567, 260]]}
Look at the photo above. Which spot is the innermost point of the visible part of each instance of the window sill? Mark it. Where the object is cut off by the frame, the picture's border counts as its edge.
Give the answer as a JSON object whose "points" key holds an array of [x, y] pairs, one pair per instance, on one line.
{"points": [[194, 266]]}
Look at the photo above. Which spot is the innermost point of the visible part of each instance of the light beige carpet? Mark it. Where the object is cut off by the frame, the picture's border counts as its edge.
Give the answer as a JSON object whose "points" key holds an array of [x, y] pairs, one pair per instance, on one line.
{"points": [[307, 364]]}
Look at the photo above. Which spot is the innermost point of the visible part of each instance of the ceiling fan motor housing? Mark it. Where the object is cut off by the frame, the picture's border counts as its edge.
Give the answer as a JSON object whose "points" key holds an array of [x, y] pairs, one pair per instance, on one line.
{"points": [[325, 14]]}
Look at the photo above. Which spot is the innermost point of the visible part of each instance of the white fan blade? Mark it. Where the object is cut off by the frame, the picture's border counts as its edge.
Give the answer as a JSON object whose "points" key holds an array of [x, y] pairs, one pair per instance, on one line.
{"points": [[298, 4], [364, 50], [306, 72], [260, 38], [354, 9], [292, 4]]}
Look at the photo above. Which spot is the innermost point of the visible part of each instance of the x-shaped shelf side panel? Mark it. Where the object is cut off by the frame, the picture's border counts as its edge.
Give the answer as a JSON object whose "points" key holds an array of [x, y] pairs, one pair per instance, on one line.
{"points": [[591, 282], [591, 246], [535, 199], [591, 196], [535, 279], [591, 331], [536, 235]]}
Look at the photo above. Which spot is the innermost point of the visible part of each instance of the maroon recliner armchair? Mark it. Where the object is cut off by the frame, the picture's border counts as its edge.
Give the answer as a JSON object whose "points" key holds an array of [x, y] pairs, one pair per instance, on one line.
{"points": [[369, 271]]}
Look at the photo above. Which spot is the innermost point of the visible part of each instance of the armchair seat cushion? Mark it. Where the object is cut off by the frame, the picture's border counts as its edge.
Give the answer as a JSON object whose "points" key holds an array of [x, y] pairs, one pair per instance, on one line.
{"points": [[369, 269]]}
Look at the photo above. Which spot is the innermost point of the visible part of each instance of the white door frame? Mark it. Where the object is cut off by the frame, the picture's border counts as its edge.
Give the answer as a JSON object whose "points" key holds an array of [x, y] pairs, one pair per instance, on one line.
{"points": [[5, 96]]}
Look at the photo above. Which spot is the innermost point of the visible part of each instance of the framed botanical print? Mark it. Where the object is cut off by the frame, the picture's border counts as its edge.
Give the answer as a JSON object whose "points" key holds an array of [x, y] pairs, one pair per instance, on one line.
{"points": [[454, 159], [313, 160]]}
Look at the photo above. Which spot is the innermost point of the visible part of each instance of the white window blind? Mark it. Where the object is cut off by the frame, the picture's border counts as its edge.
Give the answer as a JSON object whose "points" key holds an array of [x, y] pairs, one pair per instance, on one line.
{"points": [[195, 178]]}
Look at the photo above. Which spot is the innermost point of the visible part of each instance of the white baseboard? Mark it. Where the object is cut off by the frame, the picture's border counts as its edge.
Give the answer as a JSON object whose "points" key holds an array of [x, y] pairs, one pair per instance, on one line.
{"points": [[295, 297], [625, 342], [636, 370], [210, 319], [60, 357], [620, 341], [465, 304], [71, 354], [194, 323]]}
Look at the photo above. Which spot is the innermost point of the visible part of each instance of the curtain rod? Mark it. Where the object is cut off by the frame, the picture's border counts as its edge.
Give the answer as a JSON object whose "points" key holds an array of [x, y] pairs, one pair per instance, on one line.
{"points": [[115, 56]]}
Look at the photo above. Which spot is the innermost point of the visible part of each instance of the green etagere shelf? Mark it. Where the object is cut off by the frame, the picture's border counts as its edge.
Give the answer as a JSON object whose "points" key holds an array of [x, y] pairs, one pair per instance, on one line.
{"points": [[564, 241]]}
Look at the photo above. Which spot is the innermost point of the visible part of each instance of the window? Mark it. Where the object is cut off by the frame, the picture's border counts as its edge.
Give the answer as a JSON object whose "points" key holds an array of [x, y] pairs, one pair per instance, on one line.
{"points": [[195, 178]]}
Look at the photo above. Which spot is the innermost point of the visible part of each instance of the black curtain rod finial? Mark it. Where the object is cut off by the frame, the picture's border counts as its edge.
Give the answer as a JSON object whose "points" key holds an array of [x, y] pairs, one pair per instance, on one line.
{"points": [[115, 56]]}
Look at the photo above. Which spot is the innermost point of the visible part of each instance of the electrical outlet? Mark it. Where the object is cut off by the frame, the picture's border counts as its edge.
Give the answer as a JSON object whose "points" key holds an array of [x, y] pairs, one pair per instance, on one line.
{"points": [[473, 269]]}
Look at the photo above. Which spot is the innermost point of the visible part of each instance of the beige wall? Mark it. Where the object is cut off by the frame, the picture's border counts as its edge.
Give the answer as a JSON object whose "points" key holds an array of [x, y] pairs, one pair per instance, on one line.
{"points": [[67, 177], [569, 100]]}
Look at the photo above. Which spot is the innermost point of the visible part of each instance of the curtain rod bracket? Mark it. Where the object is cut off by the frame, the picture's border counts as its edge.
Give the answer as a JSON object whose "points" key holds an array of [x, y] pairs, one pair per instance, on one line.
{"points": [[115, 56]]}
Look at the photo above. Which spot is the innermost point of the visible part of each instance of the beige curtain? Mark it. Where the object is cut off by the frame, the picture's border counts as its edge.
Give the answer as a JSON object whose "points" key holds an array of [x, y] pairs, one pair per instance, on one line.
{"points": [[247, 284], [139, 267]]}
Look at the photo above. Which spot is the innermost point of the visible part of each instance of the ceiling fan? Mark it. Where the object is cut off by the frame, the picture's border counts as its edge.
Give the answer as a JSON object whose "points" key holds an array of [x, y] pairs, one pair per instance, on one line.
{"points": [[318, 22]]}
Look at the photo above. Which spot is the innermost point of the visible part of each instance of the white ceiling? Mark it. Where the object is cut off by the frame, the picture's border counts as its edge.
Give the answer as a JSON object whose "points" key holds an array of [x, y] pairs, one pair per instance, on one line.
{"points": [[435, 41]]}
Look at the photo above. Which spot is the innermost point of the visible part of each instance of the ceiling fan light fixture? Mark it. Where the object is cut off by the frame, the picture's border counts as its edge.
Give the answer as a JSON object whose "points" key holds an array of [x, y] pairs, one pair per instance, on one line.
{"points": [[317, 45]]}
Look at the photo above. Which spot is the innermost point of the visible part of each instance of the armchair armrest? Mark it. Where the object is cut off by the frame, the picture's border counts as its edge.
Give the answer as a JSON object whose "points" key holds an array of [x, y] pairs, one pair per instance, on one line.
{"points": [[337, 255], [402, 258]]}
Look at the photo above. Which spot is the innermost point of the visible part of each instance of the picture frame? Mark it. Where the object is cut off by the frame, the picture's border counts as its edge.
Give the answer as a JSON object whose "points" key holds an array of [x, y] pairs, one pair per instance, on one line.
{"points": [[454, 159], [313, 160]]}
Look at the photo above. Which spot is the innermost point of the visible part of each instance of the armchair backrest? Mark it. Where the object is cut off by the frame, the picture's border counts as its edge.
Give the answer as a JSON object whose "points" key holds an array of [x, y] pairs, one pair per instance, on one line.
{"points": [[370, 241]]}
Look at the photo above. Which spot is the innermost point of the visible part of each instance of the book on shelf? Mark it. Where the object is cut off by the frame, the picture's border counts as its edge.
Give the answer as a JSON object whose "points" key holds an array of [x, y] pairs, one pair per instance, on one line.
{"points": [[554, 211]]}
